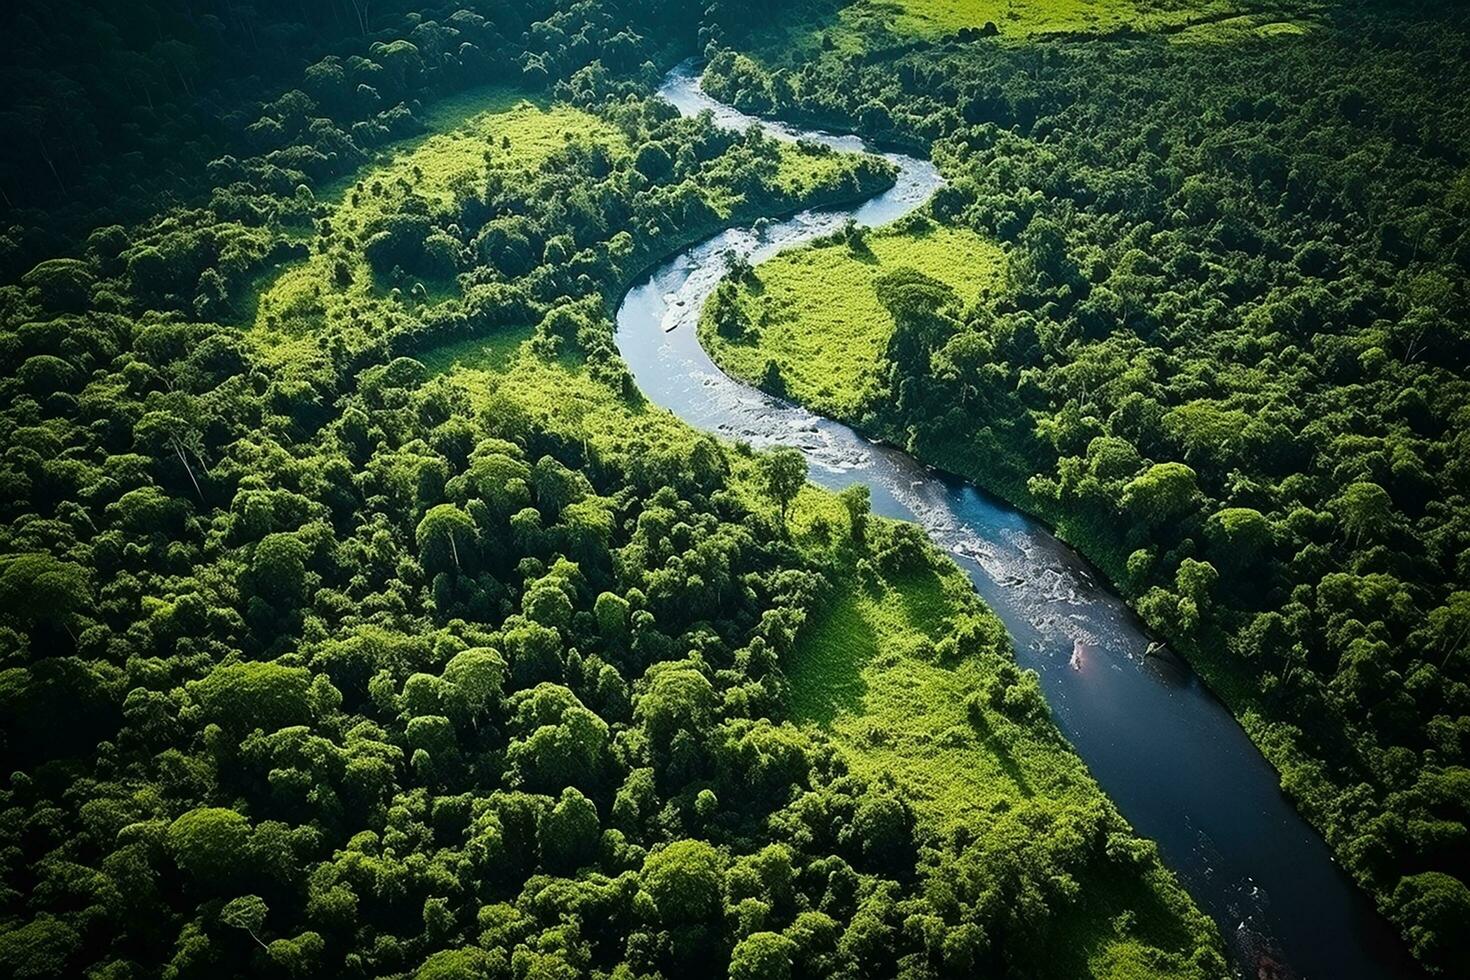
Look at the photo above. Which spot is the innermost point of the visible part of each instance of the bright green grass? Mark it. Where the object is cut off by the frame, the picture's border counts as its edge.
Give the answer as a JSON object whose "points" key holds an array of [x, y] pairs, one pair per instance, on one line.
{"points": [[865, 670], [818, 317], [1243, 28], [863, 25], [454, 113], [493, 353], [1027, 18]]}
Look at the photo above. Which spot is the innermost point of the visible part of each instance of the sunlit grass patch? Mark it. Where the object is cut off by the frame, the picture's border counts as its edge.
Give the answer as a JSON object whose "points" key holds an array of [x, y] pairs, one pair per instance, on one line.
{"points": [[507, 134], [865, 25], [827, 676], [1026, 18], [493, 352], [866, 667], [1243, 28], [872, 670], [815, 313]]}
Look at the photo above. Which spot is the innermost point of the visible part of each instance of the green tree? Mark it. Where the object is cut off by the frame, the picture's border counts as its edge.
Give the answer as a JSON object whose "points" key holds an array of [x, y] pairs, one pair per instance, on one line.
{"points": [[300, 956], [1162, 493], [1432, 908], [248, 912], [1366, 511], [918, 304], [278, 570], [468, 963], [43, 947], [857, 501], [38, 588], [63, 285], [684, 880], [783, 474], [679, 699], [1238, 538], [209, 845], [570, 833], [476, 684], [241, 696], [446, 539], [763, 956]]}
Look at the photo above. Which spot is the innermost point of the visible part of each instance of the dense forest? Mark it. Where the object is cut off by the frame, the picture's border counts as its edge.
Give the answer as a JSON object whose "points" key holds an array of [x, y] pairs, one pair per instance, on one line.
{"points": [[359, 616], [325, 655], [1214, 327]]}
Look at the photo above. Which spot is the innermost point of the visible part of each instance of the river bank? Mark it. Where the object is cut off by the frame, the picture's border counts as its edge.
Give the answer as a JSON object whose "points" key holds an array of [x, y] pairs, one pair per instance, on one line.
{"points": [[1177, 763]]}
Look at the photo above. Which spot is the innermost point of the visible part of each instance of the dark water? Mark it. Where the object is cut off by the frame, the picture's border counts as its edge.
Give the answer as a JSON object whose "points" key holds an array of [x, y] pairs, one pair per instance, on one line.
{"points": [[1177, 764]]}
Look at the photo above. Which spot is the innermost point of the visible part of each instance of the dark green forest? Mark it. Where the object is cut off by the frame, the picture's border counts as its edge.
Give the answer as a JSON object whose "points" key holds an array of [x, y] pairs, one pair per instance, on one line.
{"points": [[359, 617]]}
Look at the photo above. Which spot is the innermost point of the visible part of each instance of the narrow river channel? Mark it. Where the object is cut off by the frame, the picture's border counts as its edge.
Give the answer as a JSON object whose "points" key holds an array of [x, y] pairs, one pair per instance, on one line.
{"points": [[1178, 765]]}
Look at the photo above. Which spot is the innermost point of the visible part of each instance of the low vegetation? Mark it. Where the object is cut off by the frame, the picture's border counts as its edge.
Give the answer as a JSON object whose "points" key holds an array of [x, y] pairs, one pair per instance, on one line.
{"points": [[808, 322]]}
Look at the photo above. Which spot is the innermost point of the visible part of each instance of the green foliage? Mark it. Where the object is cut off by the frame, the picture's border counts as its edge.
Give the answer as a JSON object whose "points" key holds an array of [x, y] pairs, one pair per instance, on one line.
{"points": [[783, 472], [40, 588], [1431, 907], [570, 833], [683, 879], [42, 947], [1239, 538], [763, 956], [1249, 421], [447, 540], [247, 912], [207, 844], [243, 696], [1162, 493]]}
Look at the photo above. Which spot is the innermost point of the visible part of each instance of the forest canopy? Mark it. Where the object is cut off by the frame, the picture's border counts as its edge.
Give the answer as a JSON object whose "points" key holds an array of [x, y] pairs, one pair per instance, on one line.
{"points": [[1227, 360], [359, 616]]}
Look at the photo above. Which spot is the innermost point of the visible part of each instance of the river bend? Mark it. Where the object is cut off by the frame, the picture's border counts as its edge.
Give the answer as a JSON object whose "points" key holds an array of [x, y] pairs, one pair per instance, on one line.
{"points": [[1161, 745]]}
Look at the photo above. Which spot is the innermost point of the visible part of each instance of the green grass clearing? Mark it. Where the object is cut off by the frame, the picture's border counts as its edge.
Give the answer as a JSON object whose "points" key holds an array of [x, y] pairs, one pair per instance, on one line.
{"points": [[815, 312], [866, 25], [493, 353], [871, 669], [510, 135], [1030, 18]]}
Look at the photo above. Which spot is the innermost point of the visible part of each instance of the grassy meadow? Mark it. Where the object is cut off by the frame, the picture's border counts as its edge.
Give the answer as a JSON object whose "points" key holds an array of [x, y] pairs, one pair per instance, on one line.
{"points": [[815, 314], [873, 671], [509, 136], [865, 25]]}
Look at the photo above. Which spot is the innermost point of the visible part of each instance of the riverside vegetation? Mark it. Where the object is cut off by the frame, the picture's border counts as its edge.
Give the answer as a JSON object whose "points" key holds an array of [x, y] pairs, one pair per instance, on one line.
{"points": [[357, 616], [1211, 322]]}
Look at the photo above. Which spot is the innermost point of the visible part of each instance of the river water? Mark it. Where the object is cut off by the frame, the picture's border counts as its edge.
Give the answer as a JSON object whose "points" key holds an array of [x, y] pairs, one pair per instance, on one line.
{"points": [[1161, 745]]}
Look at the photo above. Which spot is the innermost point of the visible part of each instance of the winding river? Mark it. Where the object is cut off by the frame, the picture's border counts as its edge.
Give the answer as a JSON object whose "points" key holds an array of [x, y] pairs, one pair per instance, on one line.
{"points": [[1175, 761]]}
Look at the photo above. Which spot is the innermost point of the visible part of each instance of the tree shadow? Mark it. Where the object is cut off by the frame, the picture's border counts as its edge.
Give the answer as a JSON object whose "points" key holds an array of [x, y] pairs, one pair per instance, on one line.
{"points": [[1006, 759], [825, 669]]}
